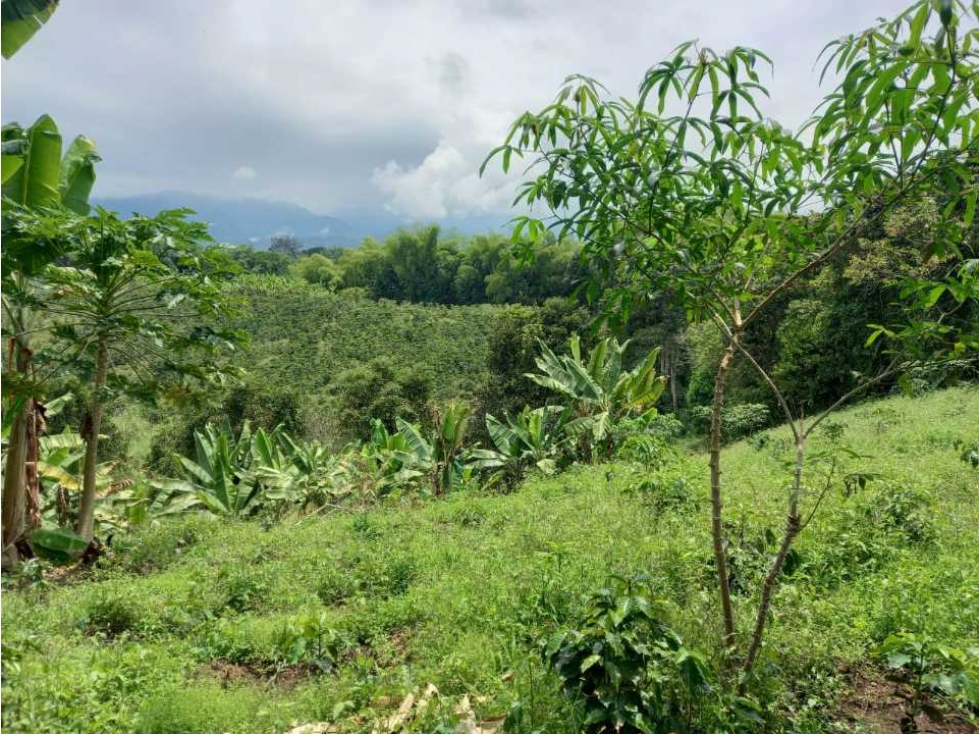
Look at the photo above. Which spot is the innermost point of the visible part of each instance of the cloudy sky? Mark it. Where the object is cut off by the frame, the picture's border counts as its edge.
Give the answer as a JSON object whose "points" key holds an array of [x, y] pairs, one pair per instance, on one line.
{"points": [[367, 107]]}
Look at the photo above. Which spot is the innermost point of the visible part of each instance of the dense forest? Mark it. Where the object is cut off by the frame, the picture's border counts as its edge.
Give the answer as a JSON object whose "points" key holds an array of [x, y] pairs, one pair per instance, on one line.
{"points": [[693, 448]]}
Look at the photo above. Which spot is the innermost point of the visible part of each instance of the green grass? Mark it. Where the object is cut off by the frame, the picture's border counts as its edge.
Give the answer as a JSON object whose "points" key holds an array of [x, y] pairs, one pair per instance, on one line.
{"points": [[182, 632]]}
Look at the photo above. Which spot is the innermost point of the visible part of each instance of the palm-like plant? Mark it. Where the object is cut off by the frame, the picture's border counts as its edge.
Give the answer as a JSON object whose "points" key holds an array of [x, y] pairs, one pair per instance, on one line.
{"points": [[441, 456], [35, 176], [530, 437], [600, 391], [229, 473], [20, 20]]}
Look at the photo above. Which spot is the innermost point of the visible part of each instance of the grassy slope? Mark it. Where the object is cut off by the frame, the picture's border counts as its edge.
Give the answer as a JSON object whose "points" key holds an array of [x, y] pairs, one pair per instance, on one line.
{"points": [[487, 572]]}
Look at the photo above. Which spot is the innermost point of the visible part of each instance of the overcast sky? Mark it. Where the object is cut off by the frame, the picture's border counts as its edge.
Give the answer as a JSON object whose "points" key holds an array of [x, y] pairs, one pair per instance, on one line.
{"points": [[369, 106]]}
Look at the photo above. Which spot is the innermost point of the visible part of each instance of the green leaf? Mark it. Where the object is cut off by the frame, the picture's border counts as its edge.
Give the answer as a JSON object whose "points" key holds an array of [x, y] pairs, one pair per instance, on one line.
{"points": [[20, 20], [58, 545], [78, 174]]}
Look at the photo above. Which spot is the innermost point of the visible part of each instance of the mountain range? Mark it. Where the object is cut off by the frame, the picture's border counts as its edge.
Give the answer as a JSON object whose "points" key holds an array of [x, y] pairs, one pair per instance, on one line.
{"points": [[254, 221]]}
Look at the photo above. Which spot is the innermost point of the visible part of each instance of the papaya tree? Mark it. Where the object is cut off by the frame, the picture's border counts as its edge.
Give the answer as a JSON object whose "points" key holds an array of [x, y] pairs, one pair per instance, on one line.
{"points": [[36, 176], [690, 190], [133, 305]]}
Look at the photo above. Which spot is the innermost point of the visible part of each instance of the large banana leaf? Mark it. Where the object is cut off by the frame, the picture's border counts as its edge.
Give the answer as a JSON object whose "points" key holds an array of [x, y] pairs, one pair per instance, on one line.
{"points": [[77, 174], [20, 20], [35, 184]]}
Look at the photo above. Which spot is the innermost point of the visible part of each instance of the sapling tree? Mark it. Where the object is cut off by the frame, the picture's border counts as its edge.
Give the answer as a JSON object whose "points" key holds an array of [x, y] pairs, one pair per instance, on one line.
{"points": [[689, 190], [134, 308]]}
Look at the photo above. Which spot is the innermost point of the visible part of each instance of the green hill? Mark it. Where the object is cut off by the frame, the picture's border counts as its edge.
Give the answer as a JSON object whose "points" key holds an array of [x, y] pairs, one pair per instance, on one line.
{"points": [[195, 626], [302, 335]]}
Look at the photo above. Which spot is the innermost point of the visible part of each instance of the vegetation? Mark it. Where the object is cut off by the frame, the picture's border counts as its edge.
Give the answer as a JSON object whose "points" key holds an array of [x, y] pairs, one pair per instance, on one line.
{"points": [[458, 484], [712, 205], [193, 625]]}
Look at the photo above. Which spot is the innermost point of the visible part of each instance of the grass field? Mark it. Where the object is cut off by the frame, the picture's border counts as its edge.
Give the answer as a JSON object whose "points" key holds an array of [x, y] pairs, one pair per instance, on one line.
{"points": [[206, 626]]}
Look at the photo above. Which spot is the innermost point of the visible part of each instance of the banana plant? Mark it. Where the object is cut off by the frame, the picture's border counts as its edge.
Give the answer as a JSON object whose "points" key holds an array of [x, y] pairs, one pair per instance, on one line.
{"points": [[530, 437], [35, 176], [600, 392], [220, 480], [440, 457]]}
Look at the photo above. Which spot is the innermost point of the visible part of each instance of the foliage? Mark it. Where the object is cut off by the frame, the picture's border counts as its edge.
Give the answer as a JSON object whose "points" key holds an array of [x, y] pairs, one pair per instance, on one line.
{"points": [[231, 476], [21, 19], [737, 421], [941, 679], [600, 392], [532, 437], [697, 194], [626, 669], [439, 456], [420, 266], [452, 592]]}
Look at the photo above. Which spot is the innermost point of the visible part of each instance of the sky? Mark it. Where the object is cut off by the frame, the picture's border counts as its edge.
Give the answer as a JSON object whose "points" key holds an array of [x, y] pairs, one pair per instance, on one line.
{"points": [[368, 107]]}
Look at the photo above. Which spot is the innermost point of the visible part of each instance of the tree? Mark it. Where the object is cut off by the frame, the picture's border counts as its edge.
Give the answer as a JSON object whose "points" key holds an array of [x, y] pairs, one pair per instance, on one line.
{"points": [[286, 244], [132, 303], [691, 191], [35, 177]]}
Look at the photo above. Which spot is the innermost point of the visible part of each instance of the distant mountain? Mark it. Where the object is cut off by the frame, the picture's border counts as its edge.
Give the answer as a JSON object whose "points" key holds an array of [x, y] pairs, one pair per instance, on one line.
{"points": [[246, 221], [255, 221]]}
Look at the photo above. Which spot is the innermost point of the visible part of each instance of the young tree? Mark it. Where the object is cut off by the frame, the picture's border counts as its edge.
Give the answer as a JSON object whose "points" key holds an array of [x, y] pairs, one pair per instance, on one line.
{"points": [[134, 307], [692, 192]]}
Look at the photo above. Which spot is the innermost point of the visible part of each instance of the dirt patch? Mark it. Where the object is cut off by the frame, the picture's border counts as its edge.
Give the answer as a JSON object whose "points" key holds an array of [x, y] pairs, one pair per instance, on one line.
{"points": [[874, 704], [228, 673]]}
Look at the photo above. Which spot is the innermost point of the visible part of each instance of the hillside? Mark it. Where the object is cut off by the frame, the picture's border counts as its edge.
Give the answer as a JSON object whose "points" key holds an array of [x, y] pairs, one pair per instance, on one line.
{"points": [[194, 626], [303, 335]]}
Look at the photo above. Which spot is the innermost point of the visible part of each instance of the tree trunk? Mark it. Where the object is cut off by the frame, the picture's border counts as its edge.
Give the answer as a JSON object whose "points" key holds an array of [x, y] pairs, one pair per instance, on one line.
{"points": [[792, 529], [15, 475], [86, 514], [14, 483], [717, 529]]}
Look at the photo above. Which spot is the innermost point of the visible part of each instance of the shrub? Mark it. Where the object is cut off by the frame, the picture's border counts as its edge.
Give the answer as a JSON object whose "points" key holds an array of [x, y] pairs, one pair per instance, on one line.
{"points": [[626, 670], [737, 421], [110, 616]]}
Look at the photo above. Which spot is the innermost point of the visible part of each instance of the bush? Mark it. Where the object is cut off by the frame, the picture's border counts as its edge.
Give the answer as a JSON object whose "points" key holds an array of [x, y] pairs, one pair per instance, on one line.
{"points": [[110, 616], [626, 670], [647, 441], [737, 421]]}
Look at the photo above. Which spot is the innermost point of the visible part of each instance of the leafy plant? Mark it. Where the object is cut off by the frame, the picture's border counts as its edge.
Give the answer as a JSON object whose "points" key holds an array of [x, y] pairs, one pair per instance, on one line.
{"points": [[690, 190], [532, 437], [934, 679], [439, 456], [625, 668], [600, 391], [231, 476]]}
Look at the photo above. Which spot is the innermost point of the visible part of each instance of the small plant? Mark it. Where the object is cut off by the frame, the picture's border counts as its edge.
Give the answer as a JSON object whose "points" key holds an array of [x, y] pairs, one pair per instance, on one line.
{"points": [[664, 493], [243, 592], [625, 668], [970, 454], [935, 680], [737, 421], [310, 640], [110, 616]]}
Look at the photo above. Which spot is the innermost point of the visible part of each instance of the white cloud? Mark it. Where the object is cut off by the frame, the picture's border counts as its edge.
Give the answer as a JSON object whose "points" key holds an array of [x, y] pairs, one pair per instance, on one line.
{"points": [[244, 173], [364, 105]]}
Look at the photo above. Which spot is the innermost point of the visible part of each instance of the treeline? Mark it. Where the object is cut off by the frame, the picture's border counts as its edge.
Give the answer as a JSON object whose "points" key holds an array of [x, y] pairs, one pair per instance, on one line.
{"points": [[421, 265]]}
